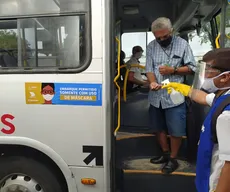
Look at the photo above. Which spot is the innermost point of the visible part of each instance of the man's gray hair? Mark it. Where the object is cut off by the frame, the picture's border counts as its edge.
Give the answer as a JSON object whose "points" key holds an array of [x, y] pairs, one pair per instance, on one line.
{"points": [[161, 23]]}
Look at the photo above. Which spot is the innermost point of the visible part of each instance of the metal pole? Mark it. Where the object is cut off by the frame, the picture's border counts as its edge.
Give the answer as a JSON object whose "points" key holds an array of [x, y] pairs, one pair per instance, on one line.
{"points": [[20, 48], [36, 42], [222, 23]]}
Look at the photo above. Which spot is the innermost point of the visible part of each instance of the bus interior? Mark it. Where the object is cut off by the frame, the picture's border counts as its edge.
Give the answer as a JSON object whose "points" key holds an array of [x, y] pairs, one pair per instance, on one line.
{"points": [[135, 143]]}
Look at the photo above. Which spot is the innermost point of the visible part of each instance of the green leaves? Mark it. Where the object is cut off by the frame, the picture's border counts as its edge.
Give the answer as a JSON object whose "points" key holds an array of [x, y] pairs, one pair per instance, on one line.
{"points": [[8, 39]]}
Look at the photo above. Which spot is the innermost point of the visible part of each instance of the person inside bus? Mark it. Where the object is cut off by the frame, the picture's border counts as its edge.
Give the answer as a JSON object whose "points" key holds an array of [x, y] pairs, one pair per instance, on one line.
{"points": [[122, 62], [168, 57], [213, 159], [135, 75], [122, 73]]}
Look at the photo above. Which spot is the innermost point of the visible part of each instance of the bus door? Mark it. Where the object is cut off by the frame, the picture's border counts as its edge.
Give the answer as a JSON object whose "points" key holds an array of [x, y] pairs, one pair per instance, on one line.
{"points": [[51, 75]]}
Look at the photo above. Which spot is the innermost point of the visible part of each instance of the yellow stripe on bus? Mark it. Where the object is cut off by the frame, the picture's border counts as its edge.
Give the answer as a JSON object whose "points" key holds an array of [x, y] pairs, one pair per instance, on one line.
{"points": [[158, 172], [138, 136]]}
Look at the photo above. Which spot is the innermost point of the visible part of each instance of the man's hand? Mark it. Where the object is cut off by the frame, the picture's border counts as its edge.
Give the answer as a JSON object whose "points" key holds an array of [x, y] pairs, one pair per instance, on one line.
{"points": [[166, 70], [182, 88], [154, 86]]}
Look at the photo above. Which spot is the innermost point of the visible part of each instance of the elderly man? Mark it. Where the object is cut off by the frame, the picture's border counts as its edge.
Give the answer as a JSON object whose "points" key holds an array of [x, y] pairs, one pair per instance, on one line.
{"points": [[168, 57]]}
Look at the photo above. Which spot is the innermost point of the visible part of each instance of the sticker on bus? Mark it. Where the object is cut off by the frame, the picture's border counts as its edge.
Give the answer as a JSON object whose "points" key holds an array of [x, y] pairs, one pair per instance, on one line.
{"points": [[63, 93]]}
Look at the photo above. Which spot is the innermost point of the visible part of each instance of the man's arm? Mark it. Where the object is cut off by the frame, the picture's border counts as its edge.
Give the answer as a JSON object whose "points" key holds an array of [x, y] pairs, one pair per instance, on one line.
{"points": [[153, 84], [189, 65], [189, 62], [224, 179], [131, 78], [149, 65], [223, 132]]}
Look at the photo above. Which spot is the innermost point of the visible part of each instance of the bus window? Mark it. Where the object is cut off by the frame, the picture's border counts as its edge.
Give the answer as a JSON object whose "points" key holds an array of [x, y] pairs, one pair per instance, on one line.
{"points": [[129, 40], [35, 7], [200, 44], [46, 42], [227, 26]]}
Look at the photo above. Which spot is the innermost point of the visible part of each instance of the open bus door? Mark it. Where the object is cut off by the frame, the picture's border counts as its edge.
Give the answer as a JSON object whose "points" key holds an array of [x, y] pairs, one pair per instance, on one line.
{"points": [[135, 145]]}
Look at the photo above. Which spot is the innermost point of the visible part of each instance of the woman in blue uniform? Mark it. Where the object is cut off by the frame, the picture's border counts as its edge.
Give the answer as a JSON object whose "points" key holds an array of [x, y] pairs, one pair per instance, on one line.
{"points": [[213, 158]]}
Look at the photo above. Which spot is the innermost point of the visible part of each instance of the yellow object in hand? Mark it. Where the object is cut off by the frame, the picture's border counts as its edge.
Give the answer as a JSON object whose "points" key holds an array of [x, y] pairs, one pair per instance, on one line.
{"points": [[180, 87]]}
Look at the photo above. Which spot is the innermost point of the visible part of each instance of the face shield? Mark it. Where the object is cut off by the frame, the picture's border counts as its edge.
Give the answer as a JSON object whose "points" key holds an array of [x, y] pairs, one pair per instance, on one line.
{"points": [[203, 72]]}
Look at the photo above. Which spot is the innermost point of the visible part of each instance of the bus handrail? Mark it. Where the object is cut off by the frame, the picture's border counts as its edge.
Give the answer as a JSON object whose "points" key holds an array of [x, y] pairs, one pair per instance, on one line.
{"points": [[217, 41], [126, 77], [118, 87]]}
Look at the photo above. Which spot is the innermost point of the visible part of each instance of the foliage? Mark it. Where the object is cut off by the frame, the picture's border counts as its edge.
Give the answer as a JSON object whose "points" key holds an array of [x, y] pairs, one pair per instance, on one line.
{"points": [[8, 39], [205, 32]]}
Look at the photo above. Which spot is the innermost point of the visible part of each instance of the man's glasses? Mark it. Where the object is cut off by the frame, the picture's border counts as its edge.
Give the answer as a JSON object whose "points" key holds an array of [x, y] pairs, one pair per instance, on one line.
{"points": [[163, 37]]}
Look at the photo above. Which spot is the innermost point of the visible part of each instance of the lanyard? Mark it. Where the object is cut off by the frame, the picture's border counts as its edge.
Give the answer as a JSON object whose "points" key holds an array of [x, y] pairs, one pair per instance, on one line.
{"points": [[168, 55]]}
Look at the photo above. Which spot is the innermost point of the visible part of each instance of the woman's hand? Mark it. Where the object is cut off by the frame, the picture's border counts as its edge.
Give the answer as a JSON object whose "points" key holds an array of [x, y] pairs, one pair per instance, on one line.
{"points": [[180, 87]]}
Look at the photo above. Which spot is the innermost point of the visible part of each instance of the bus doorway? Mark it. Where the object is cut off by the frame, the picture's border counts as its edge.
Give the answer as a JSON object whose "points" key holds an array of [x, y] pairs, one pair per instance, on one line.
{"points": [[135, 144]]}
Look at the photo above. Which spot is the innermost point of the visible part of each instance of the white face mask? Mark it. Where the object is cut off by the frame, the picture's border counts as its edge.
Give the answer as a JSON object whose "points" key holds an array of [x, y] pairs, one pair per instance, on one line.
{"points": [[209, 85], [48, 97]]}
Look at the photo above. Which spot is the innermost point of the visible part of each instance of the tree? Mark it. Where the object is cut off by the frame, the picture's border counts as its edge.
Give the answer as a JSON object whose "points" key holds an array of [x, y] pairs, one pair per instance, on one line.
{"points": [[206, 31], [8, 39]]}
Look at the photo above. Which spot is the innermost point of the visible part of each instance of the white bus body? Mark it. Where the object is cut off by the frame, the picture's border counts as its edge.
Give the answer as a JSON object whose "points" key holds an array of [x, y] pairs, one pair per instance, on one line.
{"points": [[61, 131]]}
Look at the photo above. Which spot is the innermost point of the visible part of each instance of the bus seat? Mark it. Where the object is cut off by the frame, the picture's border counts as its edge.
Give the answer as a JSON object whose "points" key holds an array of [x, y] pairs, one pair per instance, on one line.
{"points": [[2, 63], [134, 113], [9, 61]]}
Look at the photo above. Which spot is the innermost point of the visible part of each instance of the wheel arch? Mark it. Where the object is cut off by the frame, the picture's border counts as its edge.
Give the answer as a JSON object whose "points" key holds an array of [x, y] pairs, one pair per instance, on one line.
{"points": [[30, 147]]}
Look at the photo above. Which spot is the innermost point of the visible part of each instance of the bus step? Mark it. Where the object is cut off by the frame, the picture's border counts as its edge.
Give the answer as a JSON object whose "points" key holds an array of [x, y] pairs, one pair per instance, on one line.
{"points": [[151, 182], [141, 175], [141, 145]]}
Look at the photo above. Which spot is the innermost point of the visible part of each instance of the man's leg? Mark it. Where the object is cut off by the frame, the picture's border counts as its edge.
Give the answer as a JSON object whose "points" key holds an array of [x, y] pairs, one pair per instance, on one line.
{"points": [[162, 139], [175, 146], [158, 125], [176, 123]]}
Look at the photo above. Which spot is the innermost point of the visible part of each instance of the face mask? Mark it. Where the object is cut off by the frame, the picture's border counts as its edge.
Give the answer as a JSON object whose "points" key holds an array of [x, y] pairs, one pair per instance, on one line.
{"points": [[138, 55], [165, 43], [209, 85], [48, 97]]}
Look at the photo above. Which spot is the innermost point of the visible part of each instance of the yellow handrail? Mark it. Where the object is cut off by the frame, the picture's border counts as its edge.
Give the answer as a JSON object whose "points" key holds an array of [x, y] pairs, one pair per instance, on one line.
{"points": [[118, 87], [217, 41], [126, 78]]}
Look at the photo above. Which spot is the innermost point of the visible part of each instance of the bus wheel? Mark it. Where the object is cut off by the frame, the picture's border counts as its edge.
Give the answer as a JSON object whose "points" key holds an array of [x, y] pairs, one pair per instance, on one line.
{"points": [[19, 174]]}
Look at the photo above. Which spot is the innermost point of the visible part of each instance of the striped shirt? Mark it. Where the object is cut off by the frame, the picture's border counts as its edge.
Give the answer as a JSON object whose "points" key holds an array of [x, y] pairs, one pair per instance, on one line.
{"points": [[173, 55]]}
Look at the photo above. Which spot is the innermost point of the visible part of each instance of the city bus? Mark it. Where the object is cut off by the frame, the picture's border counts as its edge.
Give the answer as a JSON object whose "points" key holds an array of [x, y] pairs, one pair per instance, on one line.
{"points": [[67, 124]]}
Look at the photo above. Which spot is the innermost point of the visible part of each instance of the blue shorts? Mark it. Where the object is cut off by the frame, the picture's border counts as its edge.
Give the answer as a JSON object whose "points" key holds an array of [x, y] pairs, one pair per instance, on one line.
{"points": [[170, 120]]}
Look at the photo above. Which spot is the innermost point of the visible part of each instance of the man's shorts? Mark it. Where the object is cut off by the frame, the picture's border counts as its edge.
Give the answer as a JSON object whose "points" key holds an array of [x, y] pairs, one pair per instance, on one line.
{"points": [[170, 120]]}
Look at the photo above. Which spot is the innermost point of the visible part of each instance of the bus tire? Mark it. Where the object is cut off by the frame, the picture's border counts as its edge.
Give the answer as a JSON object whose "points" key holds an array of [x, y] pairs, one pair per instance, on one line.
{"points": [[27, 173]]}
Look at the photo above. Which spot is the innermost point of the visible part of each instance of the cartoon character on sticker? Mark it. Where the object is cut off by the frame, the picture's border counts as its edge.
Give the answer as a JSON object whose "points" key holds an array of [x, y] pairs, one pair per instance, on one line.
{"points": [[47, 91]]}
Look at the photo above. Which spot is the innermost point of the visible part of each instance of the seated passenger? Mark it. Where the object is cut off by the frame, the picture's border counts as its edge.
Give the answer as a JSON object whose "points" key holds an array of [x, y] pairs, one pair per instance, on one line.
{"points": [[135, 73], [122, 61]]}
